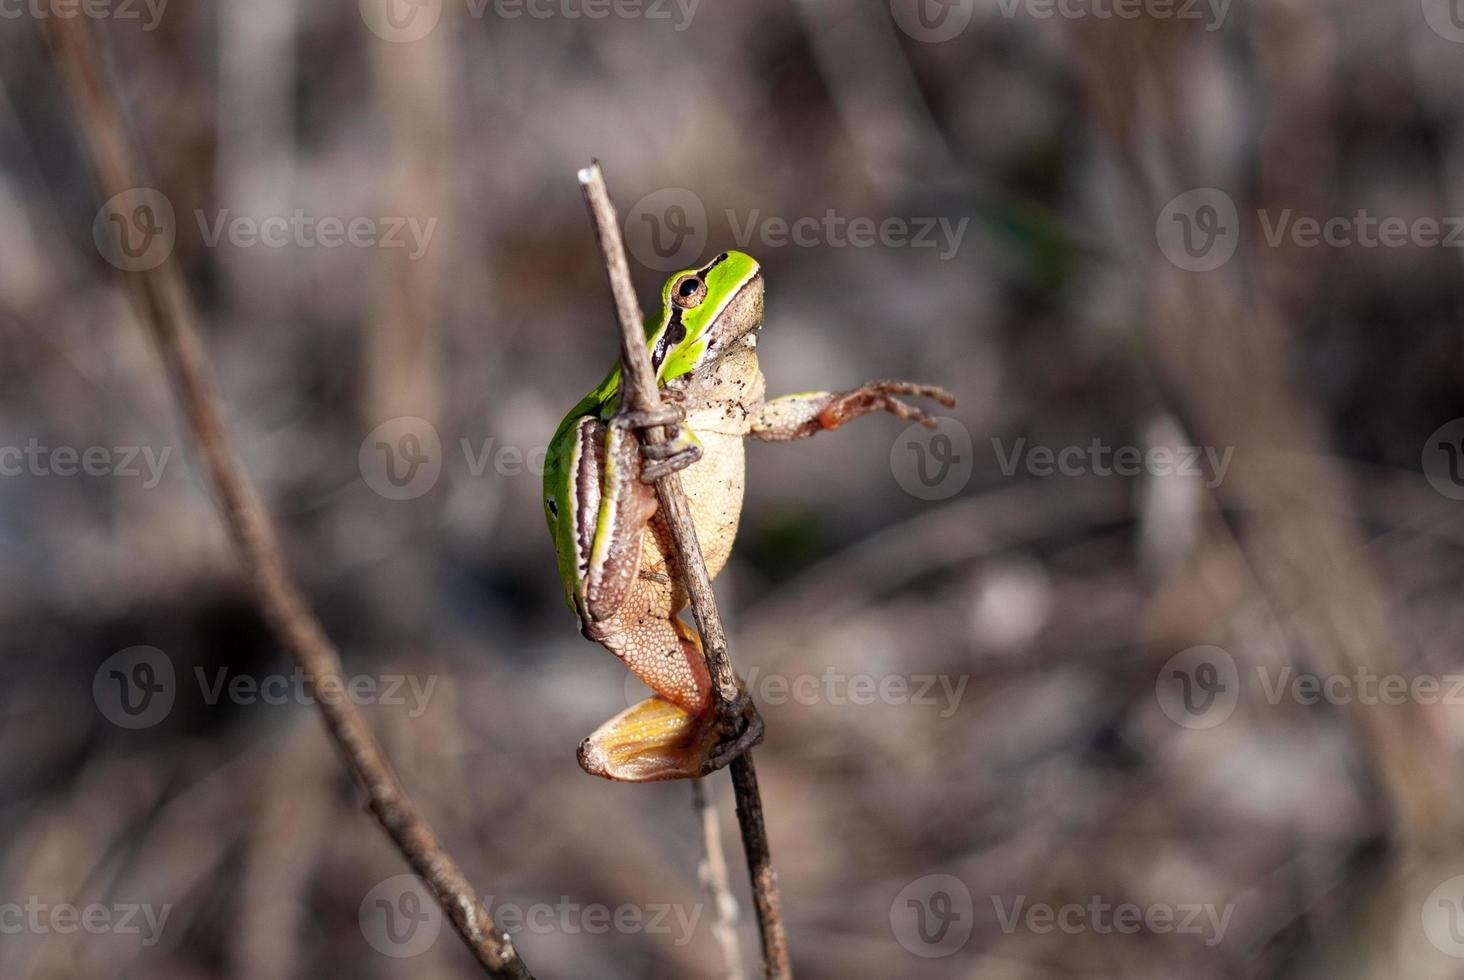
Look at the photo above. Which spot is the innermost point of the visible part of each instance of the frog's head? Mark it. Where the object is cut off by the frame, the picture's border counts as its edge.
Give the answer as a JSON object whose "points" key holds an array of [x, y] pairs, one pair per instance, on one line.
{"points": [[706, 312]]}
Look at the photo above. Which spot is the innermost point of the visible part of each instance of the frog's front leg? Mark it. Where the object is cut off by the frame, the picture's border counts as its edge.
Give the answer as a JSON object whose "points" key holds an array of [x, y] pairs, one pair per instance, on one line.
{"points": [[803, 415], [676, 452]]}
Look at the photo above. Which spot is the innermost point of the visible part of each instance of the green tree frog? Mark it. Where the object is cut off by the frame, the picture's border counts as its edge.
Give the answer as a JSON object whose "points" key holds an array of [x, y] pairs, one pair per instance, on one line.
{"points": [[615, 552]]}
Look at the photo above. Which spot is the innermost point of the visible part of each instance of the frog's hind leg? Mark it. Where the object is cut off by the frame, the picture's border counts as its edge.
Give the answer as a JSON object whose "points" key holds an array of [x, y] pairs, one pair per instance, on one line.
{"points": [[670, 735]]}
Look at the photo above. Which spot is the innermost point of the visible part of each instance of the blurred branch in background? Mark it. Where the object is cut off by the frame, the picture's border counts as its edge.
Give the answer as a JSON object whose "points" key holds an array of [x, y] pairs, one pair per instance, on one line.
{"points": [[1222, 342], [163, 304], [714, 875]]}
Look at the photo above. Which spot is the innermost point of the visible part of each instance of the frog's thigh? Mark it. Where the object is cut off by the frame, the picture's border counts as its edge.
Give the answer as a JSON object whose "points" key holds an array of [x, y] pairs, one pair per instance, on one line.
{"points": [[658, 648]]}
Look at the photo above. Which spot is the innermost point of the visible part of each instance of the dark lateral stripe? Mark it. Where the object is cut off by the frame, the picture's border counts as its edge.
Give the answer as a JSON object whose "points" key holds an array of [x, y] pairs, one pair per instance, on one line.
{"points": [[672, 335], [715, 262]]}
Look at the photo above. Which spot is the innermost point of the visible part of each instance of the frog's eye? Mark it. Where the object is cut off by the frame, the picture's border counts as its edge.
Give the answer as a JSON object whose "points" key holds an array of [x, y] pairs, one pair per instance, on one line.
{"points": [[553, 508], [688, 292]]}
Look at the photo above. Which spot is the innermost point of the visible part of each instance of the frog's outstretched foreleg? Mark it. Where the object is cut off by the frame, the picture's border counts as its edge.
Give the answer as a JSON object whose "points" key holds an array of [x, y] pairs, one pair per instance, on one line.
{"points": [[803, 415]]}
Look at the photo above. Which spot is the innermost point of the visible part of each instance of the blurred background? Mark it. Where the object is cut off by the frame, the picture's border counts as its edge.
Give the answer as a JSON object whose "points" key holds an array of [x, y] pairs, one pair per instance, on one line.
{"points": [[1143, 665]]}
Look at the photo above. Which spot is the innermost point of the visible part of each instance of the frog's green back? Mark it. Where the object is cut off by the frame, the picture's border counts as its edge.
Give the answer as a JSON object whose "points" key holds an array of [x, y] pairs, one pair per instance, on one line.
{"points": [[679, 354]]}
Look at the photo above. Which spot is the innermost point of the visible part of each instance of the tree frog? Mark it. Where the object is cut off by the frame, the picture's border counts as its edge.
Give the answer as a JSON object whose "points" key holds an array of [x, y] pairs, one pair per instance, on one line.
{"points": [[615, 552]]}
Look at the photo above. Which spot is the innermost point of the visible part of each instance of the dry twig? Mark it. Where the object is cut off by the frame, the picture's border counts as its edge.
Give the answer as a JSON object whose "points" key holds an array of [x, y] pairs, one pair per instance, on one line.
{"points": [[163, 303], [641, 392], [714, 876]]}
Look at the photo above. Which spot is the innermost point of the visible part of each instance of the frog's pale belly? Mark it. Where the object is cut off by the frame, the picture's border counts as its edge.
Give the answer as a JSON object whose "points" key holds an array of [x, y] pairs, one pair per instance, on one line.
{"points": [[713, 486], [719, 412]]}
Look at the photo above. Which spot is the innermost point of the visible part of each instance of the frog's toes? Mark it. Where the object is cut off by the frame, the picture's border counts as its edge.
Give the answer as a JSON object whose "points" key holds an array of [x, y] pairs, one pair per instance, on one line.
{"points": [[669, 456]]}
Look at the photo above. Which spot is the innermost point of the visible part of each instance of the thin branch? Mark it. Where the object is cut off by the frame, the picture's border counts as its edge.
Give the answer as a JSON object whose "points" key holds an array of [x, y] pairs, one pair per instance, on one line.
{"points": [[164, 304], [641, 391], [713, 874]]}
